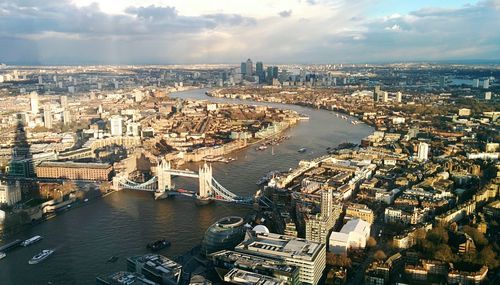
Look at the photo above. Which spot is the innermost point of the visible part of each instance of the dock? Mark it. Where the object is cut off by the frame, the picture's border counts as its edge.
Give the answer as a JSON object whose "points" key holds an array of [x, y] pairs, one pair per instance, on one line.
{"points": [[10, 245]]}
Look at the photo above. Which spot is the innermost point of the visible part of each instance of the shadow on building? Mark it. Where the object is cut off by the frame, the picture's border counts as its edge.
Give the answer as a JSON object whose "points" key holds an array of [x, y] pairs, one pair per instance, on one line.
{"points": [[21, 166]]}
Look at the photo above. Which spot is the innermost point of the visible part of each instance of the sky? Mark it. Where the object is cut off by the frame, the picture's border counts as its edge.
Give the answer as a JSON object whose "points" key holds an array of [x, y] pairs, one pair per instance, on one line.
{"points": [[50, 32]]}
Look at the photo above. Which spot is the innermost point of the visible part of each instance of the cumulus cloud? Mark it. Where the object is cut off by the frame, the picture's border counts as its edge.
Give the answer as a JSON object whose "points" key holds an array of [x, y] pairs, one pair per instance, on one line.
{"points": [[285, 13], [49, 32]]}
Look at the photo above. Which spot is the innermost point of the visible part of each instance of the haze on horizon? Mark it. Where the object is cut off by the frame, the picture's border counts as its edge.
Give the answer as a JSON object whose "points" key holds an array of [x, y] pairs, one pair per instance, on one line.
{"points": [[226, 31]]}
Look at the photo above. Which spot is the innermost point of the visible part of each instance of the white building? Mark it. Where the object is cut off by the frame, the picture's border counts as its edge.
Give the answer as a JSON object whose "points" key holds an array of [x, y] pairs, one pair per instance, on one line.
{"points": [[10, 193], [133, 129], [385, 96], [487, 95], [486, 84], [308, 256], [399, 97], [353, 235], [423, 151], [34, 102], [116, 125], [475, 83]]}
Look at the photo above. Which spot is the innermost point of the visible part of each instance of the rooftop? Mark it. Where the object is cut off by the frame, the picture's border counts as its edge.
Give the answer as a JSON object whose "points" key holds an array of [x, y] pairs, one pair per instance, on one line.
{"points": [[71, 164], [271, 244], [238, 276], [125, 278]]}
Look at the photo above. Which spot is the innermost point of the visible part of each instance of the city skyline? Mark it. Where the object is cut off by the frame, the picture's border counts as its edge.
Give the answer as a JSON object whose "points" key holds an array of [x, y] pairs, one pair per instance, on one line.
{"points": [[177, 32]]}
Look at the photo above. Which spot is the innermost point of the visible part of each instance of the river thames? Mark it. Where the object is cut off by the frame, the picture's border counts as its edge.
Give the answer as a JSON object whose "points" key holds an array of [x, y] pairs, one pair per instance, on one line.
{"points": [[124, 222]]}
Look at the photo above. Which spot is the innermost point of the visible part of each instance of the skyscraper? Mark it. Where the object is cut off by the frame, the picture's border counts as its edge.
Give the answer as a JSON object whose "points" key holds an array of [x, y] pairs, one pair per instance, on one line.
{"points": [[47, 116], [116, 125], [423, 151], [259, 68], [34, 102], [249, 67], [275, 72], [243, 68], [259, 71]]}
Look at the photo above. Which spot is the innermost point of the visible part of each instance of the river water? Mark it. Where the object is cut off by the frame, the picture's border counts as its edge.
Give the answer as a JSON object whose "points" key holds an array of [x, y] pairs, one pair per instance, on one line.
{"points": [[123, 223]]}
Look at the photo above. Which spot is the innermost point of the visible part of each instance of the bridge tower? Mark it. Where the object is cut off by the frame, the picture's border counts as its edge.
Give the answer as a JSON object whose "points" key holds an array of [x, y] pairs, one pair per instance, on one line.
{"points": [[205, 179], [164, 178]]}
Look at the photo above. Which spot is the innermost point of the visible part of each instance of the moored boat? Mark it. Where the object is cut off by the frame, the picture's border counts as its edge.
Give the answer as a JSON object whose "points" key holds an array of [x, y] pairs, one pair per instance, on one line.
{"points": [[31, 241]]}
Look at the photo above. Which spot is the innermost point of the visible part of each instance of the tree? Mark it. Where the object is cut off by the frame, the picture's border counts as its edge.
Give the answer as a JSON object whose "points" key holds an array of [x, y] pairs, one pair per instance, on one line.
{"points": [[371, 242], [478, 237], [379, 255], [444, 253], [488, 257], [340, 260], [438, 235]]}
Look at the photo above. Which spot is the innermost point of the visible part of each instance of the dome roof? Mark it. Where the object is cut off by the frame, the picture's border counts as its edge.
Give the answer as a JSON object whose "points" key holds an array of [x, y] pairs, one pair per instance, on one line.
{"points": [[261, 229]]}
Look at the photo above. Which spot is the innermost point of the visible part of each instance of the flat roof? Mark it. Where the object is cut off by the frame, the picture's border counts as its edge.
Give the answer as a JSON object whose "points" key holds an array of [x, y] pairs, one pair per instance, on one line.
{"points": [[72, 164], [280, 245], [238, 276]]}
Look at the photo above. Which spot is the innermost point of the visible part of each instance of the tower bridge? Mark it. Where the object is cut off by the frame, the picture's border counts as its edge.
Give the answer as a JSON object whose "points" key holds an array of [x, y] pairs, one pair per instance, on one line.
{"points": [[162, 186]]}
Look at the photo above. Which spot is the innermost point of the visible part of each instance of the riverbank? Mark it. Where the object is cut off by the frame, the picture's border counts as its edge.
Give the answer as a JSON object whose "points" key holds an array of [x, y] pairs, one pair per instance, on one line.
{"points": [[123, 223], [251, 98]]}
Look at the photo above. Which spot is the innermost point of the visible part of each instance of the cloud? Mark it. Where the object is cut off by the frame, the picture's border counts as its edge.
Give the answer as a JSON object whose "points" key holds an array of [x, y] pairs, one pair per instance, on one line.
{"points": [[153, 12], [394, 27], [285, 13], [48, 32]]}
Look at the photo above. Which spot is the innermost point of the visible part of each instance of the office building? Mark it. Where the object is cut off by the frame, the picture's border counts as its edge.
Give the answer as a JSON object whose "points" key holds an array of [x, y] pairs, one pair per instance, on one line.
{"points": [[249, 68], [243, 277], [40, 79], [34, 102], [116, 123], [47, 116], [423, 151], [243, 69], [308, 256], [226, 260], [259, 68], [353, 235], [259, 71], [156, 268], [226, 233]]}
